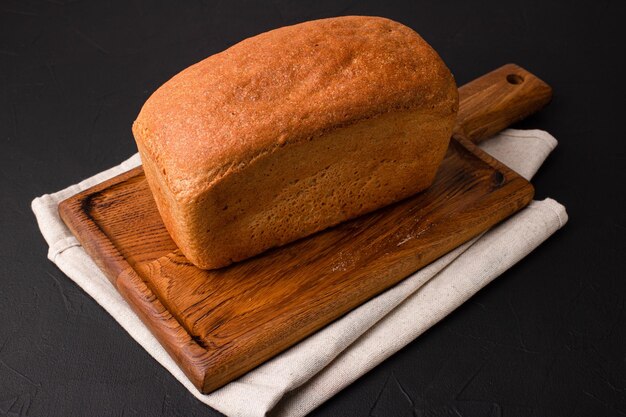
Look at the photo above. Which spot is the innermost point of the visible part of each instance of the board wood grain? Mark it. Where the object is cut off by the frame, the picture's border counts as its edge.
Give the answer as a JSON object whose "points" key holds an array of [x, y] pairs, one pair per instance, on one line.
{"points": [[221, 323]]}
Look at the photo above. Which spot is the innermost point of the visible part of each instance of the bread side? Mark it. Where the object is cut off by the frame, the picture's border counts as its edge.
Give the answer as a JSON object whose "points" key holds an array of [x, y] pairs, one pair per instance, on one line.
{"points": [[293, 131]]}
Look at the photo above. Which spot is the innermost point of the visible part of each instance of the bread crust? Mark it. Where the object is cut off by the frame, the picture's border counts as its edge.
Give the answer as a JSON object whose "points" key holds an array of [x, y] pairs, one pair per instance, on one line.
{"points": [[352, 96]]}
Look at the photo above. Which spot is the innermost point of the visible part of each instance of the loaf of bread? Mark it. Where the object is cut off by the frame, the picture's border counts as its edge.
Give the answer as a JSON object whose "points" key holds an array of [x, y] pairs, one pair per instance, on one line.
{"points": [[292, 131]]}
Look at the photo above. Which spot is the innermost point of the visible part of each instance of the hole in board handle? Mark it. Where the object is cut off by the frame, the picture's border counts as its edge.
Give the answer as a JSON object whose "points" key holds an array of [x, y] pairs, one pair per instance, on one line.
{"points": [[514, 79]]}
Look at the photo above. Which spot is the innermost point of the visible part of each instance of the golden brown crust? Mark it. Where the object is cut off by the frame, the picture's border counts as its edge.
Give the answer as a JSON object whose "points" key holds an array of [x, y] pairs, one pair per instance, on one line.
{"points": [[233, 146], [285, 85]]}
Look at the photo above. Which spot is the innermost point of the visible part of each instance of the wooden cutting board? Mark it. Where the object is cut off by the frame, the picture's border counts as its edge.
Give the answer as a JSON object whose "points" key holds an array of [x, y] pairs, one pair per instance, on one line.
{"points": [[220, 324]]}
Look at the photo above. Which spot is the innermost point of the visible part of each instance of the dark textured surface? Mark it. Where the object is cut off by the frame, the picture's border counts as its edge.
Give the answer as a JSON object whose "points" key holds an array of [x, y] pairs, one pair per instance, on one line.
{"points": [[548, 338]]}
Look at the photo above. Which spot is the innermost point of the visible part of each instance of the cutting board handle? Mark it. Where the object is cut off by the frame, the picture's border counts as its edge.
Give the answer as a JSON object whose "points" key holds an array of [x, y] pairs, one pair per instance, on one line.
{"points": [[498, 99]]}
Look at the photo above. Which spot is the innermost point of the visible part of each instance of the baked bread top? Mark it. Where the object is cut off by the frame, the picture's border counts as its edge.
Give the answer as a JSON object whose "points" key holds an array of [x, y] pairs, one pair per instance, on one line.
{"points": [[287, 85]]}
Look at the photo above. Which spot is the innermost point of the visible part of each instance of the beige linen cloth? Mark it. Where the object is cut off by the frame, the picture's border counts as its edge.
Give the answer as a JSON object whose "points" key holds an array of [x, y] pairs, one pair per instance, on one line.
{"points": [[301, 378]]}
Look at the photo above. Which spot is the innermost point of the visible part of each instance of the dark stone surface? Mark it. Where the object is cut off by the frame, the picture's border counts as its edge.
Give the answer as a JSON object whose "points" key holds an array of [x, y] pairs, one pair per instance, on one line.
{"points": [[548, 338]]}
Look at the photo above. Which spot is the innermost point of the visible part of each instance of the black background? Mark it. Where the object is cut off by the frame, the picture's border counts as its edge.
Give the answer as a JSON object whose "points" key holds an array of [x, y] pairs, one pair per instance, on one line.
{"points": [[548, 338]]}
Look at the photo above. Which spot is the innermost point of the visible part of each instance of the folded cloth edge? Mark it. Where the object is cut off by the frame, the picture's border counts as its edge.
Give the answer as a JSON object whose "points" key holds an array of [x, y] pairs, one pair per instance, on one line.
{"points": [[471, 271], [76, 262]]}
